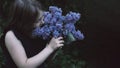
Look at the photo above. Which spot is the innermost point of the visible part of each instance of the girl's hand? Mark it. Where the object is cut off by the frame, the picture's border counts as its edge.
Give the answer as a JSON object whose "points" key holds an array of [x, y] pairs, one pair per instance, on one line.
{"points": [[56, 43]]}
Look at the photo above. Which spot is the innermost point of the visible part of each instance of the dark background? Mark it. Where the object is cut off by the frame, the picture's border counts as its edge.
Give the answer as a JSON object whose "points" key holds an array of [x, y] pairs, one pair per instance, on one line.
{"points": [[100, 22], [103, 32], [101, 25]]}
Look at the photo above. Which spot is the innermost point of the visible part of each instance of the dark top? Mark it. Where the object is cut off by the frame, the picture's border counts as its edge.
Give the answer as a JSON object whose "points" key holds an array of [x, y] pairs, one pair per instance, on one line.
{"points": [[31, 46]]}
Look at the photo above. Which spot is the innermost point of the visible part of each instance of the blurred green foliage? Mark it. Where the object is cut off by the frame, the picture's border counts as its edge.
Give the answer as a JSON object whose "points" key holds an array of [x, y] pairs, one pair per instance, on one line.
{"points": [[66, 57], [66, 60]]}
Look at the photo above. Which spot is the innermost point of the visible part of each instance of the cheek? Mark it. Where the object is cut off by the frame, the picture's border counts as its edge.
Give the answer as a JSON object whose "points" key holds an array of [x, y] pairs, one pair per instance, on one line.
{"points": [[37, 24]]}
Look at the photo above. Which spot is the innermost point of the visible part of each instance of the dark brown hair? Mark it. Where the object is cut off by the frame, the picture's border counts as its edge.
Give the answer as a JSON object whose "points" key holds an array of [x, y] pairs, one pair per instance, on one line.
{"points": [[23, 14]]}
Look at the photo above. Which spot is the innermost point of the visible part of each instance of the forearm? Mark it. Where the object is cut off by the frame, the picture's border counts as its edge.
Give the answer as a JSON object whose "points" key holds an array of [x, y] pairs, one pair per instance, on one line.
{"points": [[38, 59], [18, 54]]}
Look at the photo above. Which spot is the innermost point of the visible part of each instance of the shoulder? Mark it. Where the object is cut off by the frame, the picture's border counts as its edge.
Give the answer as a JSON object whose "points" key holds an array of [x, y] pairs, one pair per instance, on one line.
{"points": [[10, 34], [10, 37]]}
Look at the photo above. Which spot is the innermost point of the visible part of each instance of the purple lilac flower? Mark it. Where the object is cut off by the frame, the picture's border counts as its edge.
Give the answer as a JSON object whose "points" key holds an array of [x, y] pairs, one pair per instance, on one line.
{"points": [[58, 25], [52, 28], [42, 32], [56, 34], [37, 32], [54, 9], [47, 19], [57, 14], [72, 17], [76, 16], [45, 14], [70, 27], [78, 35], [53, 21], [68, 18]]}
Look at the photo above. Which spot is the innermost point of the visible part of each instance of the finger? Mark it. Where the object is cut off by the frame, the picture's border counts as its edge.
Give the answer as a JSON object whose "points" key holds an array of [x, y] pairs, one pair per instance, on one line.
{"points": [[61, 41], [59, 38], [61, 45]]}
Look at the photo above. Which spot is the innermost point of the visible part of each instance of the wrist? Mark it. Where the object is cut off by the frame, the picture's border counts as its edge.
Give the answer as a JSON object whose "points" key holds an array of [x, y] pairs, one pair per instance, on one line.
{"points": [[50, 48]]}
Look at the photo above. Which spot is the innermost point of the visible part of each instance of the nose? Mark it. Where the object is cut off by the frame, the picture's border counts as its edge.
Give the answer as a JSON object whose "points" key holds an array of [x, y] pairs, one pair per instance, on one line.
{"points": [[42, 20]]}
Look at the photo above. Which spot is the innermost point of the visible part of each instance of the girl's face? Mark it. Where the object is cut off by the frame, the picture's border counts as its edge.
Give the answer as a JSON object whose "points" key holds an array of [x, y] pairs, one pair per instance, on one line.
{"points": [[39, 20]]}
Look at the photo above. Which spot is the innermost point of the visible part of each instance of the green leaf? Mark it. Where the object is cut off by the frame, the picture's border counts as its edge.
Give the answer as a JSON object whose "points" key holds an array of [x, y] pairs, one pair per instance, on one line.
{"points": [[70, 38]]}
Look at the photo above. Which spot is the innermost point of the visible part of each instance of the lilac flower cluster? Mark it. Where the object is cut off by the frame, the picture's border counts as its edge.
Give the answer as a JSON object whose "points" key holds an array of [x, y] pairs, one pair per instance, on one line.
{"points": [[55, 24]]}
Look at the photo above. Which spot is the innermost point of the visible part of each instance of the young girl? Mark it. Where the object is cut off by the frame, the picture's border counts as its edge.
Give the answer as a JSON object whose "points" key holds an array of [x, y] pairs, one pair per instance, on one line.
{"points": [[20, 48]]}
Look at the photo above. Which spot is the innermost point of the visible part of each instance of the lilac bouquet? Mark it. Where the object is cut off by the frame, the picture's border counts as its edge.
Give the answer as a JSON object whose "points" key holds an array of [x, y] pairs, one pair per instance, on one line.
{"points": [[56, 24]]}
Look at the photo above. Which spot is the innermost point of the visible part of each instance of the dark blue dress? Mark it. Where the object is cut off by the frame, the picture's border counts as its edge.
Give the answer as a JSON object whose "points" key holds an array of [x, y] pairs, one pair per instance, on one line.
{"points": [[31, 46]]}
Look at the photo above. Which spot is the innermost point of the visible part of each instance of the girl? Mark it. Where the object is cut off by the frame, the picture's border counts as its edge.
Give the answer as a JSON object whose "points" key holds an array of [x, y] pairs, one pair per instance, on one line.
{"points": [[20, 48]]}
